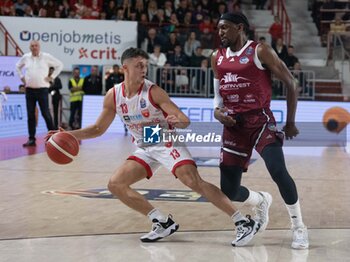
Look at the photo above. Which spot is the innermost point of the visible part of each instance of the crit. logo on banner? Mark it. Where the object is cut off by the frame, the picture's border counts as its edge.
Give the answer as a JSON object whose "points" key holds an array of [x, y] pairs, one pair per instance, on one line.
{"points": [[151, 134]]}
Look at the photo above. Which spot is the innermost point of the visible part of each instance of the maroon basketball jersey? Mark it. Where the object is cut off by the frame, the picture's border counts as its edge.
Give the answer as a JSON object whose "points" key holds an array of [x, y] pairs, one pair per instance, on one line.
{"points": [[244, 84]]}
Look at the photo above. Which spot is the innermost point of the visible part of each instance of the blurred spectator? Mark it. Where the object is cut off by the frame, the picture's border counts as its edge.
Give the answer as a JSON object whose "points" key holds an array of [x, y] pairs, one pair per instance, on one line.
{"points": [[300, 77], [7, 90], [36, 5], [111, 10], [280, 49], [168, 9], [276, 30], [20, 7], [42, 12], [166, 78], [178, 58], [28, 11], [291, 59], [79, 8], [174, 22], [198, 14], [197, 58], [64, 9], [115, 77], [338, 26], [262, 40], [159, 18], [139, 9], [75, 86], [142, 29], [260, 4], [72, 15], [200, 79], [206, 7], [120, 14], [191, 44], [54, 91], [207, 29], [182, 10], [5, 7], [50, 8], [157, 58], [171, 43], [21, 88], [150, 41], [152, 8], [182, 81], [95, 9], [93, 82], [220, 10]]}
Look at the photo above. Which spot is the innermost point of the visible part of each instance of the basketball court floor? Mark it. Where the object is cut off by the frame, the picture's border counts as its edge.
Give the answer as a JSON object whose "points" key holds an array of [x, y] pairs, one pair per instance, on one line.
{"points": [[65, 213]]}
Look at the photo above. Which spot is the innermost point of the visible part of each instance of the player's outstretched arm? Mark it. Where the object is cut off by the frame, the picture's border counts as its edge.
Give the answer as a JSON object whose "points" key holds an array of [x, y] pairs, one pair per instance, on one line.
{"points": [[268, 57], [103, 121], [175, 116]]}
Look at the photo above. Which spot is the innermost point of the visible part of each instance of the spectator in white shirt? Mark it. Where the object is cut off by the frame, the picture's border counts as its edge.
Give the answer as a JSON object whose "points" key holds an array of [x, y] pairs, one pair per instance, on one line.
{"points": [[191, 44], [37, 82], [157, 58]]}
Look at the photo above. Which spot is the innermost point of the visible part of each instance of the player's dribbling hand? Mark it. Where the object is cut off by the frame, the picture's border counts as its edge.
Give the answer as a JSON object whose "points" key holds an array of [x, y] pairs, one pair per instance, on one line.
{"points": [[52, 132], [290, 131], [172, 120], [221, 115]]}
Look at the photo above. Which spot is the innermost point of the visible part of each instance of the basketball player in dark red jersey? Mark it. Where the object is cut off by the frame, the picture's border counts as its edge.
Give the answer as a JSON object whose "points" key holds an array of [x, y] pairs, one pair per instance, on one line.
{"points": [[242, 85]]}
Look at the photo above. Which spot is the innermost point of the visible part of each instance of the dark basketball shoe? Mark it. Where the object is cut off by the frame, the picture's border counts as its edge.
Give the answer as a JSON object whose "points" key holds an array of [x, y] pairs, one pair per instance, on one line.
{"points": [[160, 230], [246, 229]]}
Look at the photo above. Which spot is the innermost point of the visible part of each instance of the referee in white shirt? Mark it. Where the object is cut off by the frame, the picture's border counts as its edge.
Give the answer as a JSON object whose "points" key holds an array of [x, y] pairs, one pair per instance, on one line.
{"points": [[37, 83]]}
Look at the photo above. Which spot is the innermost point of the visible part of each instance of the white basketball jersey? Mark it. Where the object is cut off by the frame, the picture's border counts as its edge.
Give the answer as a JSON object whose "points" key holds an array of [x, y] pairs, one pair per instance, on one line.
{"points": [[139, 110]]}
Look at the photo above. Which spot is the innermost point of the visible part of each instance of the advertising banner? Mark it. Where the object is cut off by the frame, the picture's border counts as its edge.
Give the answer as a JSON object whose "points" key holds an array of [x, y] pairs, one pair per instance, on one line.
{"points": [[8, 74], [74, 41]]}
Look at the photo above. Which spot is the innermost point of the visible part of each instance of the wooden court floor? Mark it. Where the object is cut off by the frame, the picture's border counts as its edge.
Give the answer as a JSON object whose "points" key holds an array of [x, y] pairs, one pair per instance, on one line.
{"points": [[44, 201]]}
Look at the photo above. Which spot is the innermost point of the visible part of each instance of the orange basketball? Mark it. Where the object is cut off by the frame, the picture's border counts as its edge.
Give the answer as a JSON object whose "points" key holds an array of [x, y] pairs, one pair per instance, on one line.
{"points": [[336, 119], [62, 147]]}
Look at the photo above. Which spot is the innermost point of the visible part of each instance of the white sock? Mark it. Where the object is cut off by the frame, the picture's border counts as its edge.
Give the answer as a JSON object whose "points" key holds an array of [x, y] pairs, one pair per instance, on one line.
{"points": [[295, 215], [237, 216], [254, 198], [156, 214]]}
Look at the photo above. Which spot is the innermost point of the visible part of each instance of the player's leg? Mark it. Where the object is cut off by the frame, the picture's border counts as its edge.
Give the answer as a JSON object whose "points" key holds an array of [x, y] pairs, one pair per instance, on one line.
{"points": [[31, 104], [43, 99], [133, 170], [275, 163], [246, 227], [231, 168]]}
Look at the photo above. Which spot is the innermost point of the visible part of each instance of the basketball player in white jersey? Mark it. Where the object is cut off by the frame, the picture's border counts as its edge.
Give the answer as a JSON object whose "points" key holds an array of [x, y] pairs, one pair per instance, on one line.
{"points": [[139, 103]]}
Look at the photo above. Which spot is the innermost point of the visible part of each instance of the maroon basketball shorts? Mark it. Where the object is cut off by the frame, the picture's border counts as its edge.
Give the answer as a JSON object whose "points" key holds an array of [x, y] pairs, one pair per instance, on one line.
{"points": [[253, 130]]}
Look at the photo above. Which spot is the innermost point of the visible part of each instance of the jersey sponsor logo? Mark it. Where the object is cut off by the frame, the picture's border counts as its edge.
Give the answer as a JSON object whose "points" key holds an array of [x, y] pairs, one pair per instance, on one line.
{"points": [[143, 103], [135, 117], [232, 59], [233, 98], [229, 78], [244, 60], [249, 51], [151, 134], [126, 118], [145, 113], [272, 127], [249, 98]]}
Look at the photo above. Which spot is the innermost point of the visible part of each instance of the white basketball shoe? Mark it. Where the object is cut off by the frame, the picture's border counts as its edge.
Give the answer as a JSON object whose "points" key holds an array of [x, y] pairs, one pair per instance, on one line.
{"points": [[160, 230], [262, 210]]}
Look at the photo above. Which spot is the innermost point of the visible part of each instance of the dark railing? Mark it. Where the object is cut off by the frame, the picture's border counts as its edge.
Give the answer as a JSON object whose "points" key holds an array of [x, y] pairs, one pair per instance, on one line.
{"points": [[9, 42]]}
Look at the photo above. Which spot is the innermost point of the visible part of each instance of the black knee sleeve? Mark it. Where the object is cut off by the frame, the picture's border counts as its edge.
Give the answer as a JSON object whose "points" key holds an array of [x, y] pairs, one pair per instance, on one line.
{"points": [[230, 182], [274, 161]]}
